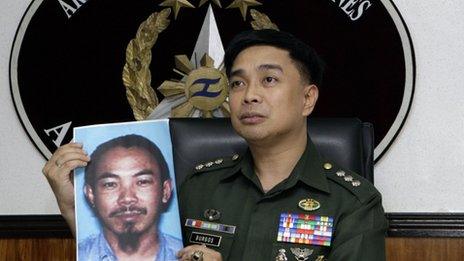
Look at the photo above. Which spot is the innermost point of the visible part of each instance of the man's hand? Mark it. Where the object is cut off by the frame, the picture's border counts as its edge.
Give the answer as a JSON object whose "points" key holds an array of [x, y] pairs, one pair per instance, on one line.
{"points": [[205, 254], [58, 171]]}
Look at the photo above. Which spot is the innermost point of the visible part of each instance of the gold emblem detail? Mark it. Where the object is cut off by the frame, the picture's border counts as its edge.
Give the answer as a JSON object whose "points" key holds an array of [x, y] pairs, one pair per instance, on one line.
{"points": [[137, 77], [206, 81], [205, 88], [320, 258], [261, 21], [176, 5], [327, 166], [309, 204], [243, 6], [136, 74]]}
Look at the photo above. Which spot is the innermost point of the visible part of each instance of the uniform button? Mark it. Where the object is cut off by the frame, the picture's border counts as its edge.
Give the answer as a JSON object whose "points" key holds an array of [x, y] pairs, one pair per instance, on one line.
{"points": [[327, 166]]}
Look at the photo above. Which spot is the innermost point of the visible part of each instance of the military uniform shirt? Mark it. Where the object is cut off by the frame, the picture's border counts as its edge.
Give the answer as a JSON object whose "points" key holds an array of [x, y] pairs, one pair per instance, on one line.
{"points": [[230, 187]]}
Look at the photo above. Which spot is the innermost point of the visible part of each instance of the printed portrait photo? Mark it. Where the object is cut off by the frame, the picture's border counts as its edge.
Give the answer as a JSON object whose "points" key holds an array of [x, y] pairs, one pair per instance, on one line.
{"points": [[125, 198]]}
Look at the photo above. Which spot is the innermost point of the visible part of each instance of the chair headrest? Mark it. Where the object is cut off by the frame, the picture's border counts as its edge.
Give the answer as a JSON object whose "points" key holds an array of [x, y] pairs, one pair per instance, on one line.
{"points": [[345, 141]]}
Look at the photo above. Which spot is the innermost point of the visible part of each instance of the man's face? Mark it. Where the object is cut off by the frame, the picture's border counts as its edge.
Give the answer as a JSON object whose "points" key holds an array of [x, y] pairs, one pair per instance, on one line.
{"points": [[128, 194], [268, 99]]}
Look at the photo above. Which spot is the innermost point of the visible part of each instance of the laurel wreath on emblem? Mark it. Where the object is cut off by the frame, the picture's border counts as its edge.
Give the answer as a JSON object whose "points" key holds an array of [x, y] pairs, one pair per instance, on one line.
{"points": [[136, 74]]}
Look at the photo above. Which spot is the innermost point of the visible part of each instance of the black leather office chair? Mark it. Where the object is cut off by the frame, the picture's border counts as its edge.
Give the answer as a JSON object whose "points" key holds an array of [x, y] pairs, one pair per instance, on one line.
{"points": [[346, 141]]}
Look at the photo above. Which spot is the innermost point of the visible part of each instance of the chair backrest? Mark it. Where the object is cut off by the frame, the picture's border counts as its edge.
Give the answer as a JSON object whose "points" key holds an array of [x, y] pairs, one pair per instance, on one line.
{"points": [[346, 141]]}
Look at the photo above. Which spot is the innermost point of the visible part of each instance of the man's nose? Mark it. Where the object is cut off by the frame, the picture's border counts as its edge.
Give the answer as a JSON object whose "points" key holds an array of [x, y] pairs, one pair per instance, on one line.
{"points": [[127, 196], [252, 93]]}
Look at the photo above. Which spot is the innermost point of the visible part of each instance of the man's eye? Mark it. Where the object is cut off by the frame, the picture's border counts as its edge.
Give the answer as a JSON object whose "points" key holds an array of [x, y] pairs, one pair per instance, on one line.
{"points": [[144, 182], [235, 84], [270, 80], [109, 185]]}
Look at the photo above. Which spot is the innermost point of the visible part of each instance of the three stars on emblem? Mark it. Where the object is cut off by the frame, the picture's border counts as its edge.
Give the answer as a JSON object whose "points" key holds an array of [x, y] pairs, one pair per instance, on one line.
{"points": [[243, 5]]}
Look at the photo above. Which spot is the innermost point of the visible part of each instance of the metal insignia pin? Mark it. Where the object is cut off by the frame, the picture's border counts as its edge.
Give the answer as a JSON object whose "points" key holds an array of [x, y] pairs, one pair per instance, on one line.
{"points": [[301, 254], [320, 258], [309, 204], [281, 255], [340, 173], [212, 214], [218, 161], [199, 167], [348, 178], [209, 164]]}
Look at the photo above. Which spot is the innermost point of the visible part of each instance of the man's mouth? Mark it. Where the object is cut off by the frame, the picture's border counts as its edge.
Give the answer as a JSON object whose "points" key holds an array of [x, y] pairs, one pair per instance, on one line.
{"points": [[251, 118]]}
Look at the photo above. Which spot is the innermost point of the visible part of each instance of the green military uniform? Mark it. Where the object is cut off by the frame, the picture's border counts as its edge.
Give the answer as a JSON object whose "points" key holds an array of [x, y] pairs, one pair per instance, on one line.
{"points": [[224, 206]]}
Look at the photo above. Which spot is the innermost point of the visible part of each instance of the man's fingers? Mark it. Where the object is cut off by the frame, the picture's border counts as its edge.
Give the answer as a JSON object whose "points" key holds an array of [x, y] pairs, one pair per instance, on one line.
{"points": [[208, 253], [71, 151], [63, 151], [75, 155], [66, 168]]}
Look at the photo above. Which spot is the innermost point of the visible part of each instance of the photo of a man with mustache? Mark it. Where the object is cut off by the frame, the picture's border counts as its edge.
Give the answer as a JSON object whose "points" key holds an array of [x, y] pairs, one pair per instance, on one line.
{"points": [[128, 187]]}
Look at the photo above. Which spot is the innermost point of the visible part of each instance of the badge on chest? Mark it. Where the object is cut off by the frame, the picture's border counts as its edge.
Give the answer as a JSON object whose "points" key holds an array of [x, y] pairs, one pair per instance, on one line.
{"points": [[305, 229]]}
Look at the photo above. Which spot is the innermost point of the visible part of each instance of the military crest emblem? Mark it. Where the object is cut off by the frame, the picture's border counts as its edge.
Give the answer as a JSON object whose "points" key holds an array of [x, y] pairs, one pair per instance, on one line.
{"points": [[81, 62]]}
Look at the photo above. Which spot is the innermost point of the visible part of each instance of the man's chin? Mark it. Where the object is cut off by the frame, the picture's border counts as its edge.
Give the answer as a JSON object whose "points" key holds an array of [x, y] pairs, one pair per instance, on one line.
{"points": [[130, 228], [253, 136], [129, 240]]}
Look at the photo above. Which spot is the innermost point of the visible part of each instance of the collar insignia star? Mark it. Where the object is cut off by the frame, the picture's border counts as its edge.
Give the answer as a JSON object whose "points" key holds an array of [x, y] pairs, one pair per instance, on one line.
{"points": [[243, 6], [176, 5]]}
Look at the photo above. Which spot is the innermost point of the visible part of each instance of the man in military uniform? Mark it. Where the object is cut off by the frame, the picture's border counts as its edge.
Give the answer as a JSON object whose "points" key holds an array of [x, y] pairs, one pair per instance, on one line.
{"points": [[281, 200]]}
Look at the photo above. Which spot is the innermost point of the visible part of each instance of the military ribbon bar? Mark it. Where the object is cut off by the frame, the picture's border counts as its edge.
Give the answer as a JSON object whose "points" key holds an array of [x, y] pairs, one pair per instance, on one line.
{"points": [[305, 229], [210, 226]]}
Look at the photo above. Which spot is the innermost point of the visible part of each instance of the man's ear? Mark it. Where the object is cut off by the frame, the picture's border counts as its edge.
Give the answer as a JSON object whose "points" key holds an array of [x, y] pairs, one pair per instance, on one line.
{"points": [[311, 93], [167, 191], [88, 191]]}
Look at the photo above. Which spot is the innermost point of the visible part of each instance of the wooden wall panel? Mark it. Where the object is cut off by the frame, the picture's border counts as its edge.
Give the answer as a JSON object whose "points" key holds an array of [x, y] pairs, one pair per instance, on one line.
{"points": [[425, 249], [37, 249], [398, 249]]}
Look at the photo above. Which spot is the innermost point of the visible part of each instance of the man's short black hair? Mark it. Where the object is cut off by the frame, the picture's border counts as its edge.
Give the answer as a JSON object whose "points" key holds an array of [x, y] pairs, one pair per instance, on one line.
{"points": [[127, 141], [306, 59]]}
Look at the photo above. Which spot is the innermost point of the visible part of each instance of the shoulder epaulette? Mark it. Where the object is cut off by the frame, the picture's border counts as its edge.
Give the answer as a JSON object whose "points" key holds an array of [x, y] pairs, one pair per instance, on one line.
{"points": [[351, 181], [219, 163]]}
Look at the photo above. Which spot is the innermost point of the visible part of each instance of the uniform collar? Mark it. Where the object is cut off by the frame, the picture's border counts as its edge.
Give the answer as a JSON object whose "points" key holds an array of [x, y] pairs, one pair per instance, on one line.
{"points": [[309, 170]]}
